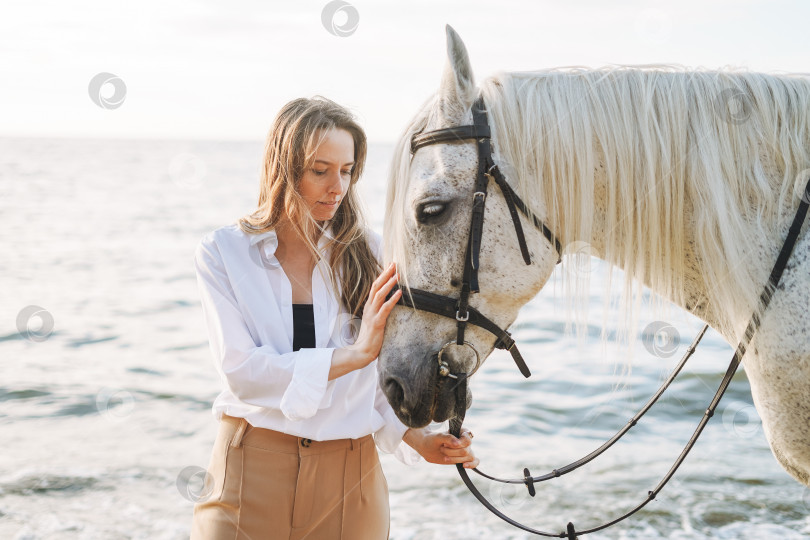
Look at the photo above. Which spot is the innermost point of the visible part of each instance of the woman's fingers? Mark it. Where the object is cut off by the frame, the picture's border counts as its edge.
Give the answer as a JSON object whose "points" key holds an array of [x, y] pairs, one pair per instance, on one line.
{"points": [[467, 458], [449, 441], [382, 292], [384, 276], [460, 449], [379, 298], [390, 303], [457, 450]]}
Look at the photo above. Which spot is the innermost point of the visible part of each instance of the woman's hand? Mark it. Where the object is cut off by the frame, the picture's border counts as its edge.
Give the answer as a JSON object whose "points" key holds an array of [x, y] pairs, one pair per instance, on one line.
{"points": [[443, 448], [369, 340], [375, 313]]}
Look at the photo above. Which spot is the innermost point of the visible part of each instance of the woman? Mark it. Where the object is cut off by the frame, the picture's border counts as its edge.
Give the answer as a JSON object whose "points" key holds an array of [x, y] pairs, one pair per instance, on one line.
{"points": [[301, 408]]}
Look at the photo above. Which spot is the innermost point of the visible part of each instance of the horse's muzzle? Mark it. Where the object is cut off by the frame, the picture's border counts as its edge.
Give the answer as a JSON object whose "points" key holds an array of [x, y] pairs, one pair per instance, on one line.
{"points": [[423, 391]]}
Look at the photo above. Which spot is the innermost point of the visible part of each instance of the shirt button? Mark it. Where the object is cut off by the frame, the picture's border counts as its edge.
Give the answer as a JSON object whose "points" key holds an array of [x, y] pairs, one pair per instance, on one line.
{"points": [[306, 442]]}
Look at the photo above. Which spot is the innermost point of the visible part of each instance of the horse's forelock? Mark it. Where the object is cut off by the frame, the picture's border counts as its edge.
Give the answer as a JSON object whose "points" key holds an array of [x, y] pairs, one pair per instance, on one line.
{"points": [[395, 233]]}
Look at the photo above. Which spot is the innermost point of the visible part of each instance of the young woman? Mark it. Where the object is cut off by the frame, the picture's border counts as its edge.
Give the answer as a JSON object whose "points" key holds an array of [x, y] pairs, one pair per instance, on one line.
{"points": [[301, 409]]}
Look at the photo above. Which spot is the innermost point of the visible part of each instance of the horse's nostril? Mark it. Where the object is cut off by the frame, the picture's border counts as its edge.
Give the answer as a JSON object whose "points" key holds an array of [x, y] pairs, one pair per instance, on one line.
{"points": [[394, 392]]}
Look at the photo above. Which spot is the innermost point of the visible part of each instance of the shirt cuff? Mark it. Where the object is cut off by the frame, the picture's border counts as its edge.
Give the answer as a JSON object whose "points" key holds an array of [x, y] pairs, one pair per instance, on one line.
{"points": [[389, 440], [310, 388], [406, 454]]}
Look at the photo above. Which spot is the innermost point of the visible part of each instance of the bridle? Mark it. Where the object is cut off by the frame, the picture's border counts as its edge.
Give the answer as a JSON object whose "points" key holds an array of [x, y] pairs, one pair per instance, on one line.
{"points": [[460, 310]]}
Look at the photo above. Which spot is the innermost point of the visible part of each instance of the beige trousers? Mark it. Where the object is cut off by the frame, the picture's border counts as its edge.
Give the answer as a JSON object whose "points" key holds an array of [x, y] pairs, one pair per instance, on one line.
{"points": [[269, 485]]}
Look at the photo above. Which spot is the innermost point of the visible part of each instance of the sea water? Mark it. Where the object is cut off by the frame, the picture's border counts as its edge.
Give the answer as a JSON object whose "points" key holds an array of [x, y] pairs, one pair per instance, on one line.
{"points": [[106, 379]]}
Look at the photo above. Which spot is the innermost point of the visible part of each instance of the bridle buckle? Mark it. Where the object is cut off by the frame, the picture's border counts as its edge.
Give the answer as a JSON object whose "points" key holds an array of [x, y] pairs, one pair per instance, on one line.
{"points": [[465, 318]]}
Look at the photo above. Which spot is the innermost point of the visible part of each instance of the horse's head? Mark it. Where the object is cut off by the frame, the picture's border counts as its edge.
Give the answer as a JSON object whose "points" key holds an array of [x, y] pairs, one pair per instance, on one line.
{"points": [[428, 220]]}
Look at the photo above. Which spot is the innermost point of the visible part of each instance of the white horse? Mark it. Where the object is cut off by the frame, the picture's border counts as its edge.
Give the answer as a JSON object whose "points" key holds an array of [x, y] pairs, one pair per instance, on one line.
{"points": [[687, 180]]}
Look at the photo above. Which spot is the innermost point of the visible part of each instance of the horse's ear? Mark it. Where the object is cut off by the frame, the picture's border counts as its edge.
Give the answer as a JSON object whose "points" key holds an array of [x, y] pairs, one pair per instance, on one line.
{"points": [[457, 90]]}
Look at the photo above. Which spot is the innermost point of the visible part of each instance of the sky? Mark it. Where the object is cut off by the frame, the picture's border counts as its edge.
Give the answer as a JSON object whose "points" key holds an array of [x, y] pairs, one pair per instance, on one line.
{"points": [[220, 70]]}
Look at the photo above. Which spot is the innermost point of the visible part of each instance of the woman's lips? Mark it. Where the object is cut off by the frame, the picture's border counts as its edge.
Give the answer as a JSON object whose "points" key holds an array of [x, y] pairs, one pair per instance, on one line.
{"points": [[330, 205]]}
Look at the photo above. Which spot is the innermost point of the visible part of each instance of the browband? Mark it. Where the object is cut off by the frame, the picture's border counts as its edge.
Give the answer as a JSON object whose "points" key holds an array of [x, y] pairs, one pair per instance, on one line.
{"points": [[457, 133]]}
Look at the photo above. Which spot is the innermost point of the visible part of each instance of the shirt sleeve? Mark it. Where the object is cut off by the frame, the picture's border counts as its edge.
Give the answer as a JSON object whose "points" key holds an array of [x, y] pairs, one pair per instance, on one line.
{"points": [[389, 437], [295, 383]]}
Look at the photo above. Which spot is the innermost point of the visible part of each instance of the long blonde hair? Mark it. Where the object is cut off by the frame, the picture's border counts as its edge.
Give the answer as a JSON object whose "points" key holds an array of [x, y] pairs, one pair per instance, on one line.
{"points": [[297, 131]]}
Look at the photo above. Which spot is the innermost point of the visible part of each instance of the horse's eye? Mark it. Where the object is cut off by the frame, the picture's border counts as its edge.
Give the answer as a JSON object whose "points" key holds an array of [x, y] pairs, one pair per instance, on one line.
{"points": [[430, 210]]}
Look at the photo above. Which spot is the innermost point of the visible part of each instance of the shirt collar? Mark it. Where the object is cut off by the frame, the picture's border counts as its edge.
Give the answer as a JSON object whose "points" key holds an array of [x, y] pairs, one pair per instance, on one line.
{"points": [[272, 239]]}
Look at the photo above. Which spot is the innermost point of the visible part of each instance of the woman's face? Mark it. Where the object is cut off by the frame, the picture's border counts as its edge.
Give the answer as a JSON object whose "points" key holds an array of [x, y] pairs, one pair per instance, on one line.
{"points": [[326, 181]]}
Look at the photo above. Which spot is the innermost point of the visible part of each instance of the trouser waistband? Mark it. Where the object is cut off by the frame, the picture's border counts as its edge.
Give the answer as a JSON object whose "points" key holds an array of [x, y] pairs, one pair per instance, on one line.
{"points": [[276, 441]]}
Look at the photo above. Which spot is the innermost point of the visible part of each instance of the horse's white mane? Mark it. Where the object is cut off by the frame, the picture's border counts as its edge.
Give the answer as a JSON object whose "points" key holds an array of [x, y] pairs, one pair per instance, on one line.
{"points": [[667, 143]]}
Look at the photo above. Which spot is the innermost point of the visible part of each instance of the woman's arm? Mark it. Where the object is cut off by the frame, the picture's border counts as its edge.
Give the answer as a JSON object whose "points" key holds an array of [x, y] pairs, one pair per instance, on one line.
{"points": [[369, 341], [294, 382], [344, 360]]}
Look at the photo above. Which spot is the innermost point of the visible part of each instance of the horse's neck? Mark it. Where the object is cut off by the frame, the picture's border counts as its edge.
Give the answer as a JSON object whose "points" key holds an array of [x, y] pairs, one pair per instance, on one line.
{"points": [[695, 297]]}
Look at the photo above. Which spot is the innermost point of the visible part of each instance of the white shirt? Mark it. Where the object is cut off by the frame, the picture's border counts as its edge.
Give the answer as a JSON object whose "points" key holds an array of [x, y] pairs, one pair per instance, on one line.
{"points": [[247, 306]]}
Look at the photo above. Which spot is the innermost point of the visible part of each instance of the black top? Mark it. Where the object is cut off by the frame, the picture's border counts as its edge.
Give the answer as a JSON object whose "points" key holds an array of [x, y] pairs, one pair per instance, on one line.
{"points": [[303, 326]]}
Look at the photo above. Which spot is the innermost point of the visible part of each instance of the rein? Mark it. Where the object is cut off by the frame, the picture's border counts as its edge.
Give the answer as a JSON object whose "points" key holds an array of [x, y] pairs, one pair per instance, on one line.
{"points": [[460, 310]]}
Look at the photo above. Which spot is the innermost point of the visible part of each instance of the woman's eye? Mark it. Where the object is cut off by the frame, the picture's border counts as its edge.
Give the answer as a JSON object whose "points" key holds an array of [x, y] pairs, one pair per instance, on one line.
{"points": [[347, 173], [319, 173], [431, 210]]}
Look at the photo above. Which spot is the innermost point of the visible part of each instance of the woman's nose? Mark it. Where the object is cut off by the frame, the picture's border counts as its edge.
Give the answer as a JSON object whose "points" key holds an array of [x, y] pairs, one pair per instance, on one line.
{"points": [[336, 186]]}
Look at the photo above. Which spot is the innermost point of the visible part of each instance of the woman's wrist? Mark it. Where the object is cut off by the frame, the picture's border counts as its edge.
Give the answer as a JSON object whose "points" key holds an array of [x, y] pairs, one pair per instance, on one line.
{"points": [[347, 359], [361, 357], [413, 437]]}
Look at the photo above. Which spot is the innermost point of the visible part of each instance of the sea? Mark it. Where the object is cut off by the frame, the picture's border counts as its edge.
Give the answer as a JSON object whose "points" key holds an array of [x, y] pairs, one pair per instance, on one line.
{"points": [[107, 381]]}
